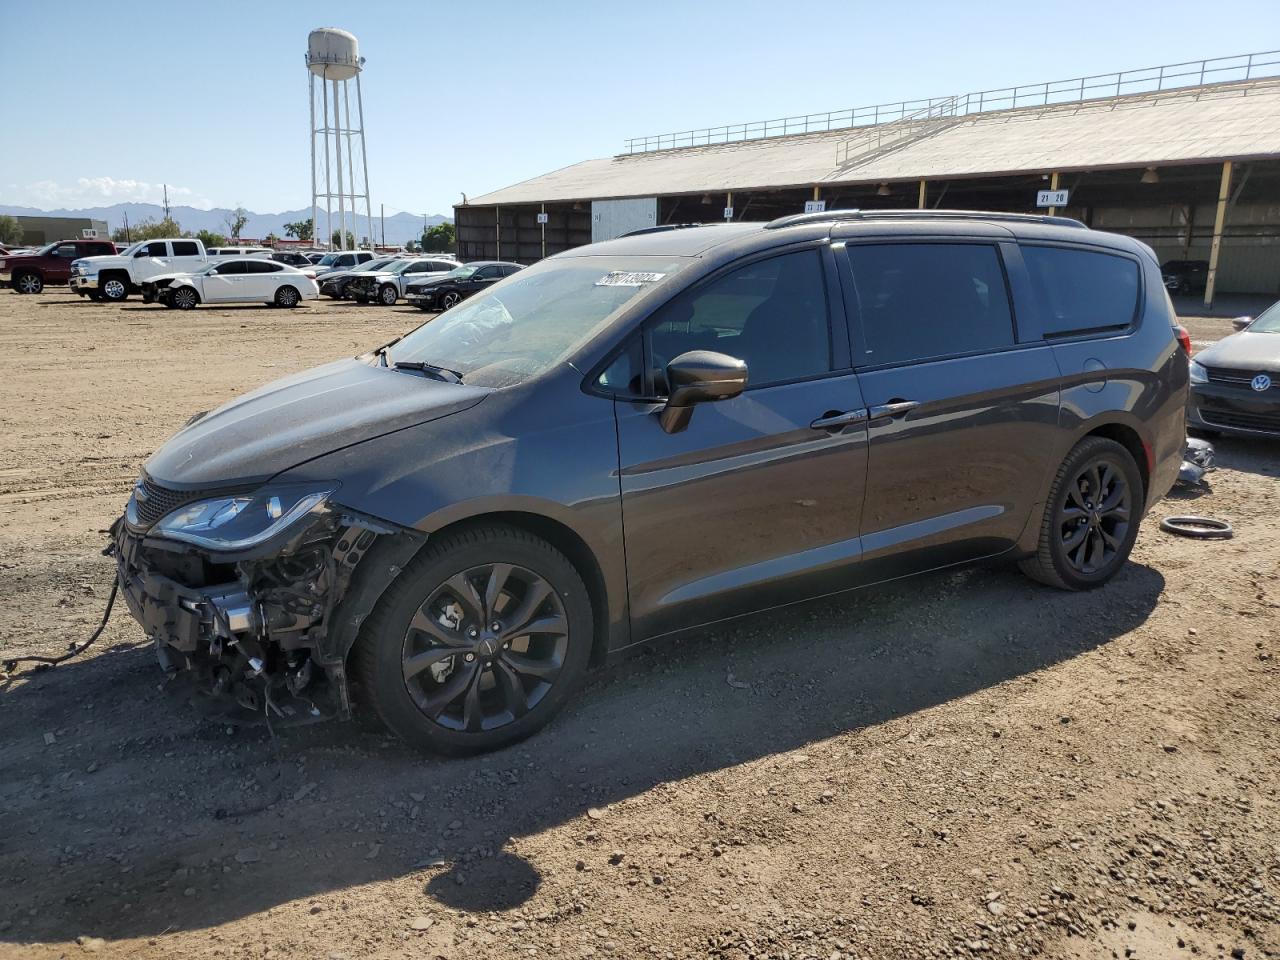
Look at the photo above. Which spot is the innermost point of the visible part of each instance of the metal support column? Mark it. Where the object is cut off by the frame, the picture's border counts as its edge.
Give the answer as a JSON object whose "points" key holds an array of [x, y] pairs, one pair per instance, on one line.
{"points": [[1053, 185], [728, 200], [543, 225], [924, 190], [364, 164], [497, 233], [337, 153], [328, 185], [1219, 221], [311, 90]]}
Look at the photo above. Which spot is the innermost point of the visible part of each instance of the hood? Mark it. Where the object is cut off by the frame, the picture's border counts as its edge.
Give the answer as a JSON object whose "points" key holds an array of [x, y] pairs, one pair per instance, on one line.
{"points": [[301, 417], [103, 258], [1253, 352]]}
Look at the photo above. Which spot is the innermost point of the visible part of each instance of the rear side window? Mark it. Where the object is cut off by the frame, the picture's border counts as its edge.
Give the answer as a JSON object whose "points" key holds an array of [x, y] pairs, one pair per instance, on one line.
{"points": [[918, 301], [262, 266], [231, 266], [185, 248], [1082, 291]]}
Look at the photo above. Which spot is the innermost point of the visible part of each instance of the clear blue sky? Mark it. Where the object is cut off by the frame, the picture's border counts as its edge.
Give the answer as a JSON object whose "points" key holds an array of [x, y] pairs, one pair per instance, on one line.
{"points": [[471, 96]]}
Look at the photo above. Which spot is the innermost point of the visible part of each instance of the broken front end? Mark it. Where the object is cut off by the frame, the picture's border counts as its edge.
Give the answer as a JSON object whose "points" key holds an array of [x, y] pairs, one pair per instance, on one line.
{"points": [[256, 595]]}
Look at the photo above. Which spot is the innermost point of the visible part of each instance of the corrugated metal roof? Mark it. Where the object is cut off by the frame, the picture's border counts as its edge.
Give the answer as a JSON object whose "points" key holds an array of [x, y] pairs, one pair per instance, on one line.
{"points": [[1232, 121]]}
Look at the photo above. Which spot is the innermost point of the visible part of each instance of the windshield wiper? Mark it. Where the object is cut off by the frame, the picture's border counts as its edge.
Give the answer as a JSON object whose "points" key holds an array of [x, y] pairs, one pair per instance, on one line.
{"points": [[430, 369]]}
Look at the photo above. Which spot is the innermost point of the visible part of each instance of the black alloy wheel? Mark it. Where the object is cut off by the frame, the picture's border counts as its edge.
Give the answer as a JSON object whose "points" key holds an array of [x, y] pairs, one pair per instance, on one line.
{"points": [[1091, 519], [478, 643], [450, 300], [184, 298]]}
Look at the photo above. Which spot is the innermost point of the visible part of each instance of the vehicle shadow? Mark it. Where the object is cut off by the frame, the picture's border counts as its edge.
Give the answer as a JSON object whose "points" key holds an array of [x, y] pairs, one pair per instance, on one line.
{"points": [[140, 818]]}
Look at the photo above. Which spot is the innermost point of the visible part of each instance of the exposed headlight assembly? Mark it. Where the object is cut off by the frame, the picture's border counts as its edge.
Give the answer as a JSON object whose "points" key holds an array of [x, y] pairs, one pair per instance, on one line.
{"points": [[1198, 373], [243, 520]]}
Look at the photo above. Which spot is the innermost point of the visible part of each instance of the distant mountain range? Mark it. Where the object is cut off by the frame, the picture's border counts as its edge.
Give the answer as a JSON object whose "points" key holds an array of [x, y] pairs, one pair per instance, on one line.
{"points": [[400, 228]]}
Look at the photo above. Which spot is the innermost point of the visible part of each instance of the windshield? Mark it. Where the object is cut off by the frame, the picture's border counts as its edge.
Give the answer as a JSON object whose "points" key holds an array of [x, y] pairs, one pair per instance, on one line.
{"points": [[534, 320], [1268, 320], [48, 247], [373, 266], [459, 273], [329, 259]]}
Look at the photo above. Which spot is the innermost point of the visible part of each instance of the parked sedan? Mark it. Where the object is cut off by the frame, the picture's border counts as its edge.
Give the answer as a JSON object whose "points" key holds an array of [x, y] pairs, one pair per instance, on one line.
{"points": [[455, 286], [1185, 276], [1235, 384], [334, 283], [388, 285], [242, 280]]}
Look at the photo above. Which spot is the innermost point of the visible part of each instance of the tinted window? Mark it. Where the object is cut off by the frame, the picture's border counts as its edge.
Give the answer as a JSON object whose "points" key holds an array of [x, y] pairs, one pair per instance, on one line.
{"points": [[231, 266], [262, 266], [157, 249], [772, 314], [486, 273], [66, 250], [508, 271], [98, 249], [1081, 290], [922, 300], [185, 248]]}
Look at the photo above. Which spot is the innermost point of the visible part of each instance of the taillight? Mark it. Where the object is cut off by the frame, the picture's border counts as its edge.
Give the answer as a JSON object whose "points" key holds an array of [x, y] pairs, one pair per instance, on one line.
{"points": [[1184, 338]]}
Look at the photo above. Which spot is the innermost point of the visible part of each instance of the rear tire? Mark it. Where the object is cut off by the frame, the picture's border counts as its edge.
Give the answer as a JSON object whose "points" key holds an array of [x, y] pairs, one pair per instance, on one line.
{"points": [[476, 593], [287, 296], [1091, 518], [28, 283]]}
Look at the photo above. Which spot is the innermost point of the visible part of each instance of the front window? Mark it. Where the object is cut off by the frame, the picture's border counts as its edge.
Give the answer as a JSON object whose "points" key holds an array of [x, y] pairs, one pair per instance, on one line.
{"points": [[328, 260], [1268, 321], [524, 326], [460, 273]]}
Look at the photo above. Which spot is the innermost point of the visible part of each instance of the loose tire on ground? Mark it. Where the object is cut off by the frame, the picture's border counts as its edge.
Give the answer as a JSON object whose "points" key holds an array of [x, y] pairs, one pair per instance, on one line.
{"points": [[1084, 539], [421, 620]]}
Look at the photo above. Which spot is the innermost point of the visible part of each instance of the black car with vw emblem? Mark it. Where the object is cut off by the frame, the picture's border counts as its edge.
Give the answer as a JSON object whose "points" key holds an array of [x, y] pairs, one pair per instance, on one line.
{"points": [[1235, 384]]}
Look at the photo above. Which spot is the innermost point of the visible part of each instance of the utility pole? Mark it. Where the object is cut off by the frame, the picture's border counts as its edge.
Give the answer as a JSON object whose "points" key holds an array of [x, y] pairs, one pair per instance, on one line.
{"points": [[126, 226], [382, 215], [166, 201]]}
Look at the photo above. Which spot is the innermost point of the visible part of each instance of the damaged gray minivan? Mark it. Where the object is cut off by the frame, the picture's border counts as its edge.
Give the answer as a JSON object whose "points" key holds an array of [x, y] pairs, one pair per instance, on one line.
{"points": [[642, 437]]}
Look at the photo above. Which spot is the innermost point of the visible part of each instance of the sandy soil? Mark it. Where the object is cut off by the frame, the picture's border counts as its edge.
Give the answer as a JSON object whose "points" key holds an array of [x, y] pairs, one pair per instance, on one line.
{"points": [[962, 765]]}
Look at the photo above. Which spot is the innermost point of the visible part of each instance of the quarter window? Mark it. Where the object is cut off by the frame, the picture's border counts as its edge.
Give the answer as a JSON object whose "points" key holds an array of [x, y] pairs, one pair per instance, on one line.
{"points": [[261, 266], [1082, 291], [918, 301], [772, 314]]}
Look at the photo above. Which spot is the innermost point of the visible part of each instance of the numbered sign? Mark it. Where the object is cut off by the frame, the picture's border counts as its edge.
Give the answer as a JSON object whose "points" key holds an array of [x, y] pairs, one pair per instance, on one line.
{"points": [[815, 206], [542, 218], [1051, 198], [728, 213]]}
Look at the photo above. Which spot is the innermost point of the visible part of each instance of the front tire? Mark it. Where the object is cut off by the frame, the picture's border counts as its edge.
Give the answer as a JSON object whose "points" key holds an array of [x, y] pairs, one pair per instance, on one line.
{"points": [[28, 283], [450, 299], [1091, 519], [114, 289], [184, 298], [388, 295], [287, 297], [478, 643]]}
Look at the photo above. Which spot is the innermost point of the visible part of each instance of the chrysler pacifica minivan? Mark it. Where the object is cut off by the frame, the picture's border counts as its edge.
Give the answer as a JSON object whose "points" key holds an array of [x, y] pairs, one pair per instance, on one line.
{"points": [[642, 437]]}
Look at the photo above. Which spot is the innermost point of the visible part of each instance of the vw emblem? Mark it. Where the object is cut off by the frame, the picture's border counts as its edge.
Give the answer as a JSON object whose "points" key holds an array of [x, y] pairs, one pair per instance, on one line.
{"points": [[1261, 382]]}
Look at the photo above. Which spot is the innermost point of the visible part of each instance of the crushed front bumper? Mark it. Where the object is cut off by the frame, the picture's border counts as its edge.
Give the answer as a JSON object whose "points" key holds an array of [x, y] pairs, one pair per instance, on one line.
{"points": [[263, 633]]}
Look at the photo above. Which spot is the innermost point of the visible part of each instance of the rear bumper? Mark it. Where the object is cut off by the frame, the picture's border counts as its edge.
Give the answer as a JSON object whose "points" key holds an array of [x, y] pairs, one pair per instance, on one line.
{"points": [[1238, 411]]}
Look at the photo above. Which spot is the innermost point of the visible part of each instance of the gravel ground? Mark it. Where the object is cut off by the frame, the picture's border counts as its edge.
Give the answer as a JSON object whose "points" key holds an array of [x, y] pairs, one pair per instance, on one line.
{"points": [[961, 765]]}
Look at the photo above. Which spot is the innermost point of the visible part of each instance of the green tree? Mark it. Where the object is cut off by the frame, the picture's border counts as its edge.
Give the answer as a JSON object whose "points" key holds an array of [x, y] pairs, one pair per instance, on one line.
{"points": [[337, 239], [270, 240], [10, 230], [211, 239], [302, 229], [439, 239], [148, 230], [235, 221]]}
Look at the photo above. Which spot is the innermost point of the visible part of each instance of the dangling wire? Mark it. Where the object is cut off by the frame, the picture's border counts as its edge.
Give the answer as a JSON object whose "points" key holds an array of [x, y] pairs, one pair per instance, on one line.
{"points": [[48, 663]]}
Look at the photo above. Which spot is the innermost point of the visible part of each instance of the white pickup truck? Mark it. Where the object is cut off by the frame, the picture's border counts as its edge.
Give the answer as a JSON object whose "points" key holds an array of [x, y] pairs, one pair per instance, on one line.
{"points": [[114, 278]]}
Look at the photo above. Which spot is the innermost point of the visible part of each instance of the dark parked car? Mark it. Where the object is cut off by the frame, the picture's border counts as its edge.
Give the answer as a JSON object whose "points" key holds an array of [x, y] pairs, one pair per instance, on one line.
{"points": [[1235, 384], [290, 258], [1185, 276], [640, 438], [449, 289], [32, 272]]}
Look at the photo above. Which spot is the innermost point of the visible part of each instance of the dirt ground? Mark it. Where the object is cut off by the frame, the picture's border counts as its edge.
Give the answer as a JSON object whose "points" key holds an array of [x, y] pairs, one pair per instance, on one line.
{"points": [[962, 765]]}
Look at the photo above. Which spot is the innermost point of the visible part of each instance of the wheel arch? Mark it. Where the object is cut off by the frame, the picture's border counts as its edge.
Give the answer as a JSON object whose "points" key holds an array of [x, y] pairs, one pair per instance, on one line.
{"points": [[1131, 440]]}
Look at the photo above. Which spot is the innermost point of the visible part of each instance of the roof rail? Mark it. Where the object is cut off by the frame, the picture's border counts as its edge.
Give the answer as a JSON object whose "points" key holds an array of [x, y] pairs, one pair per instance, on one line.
{"points": [[660, 229], [829, 216]]}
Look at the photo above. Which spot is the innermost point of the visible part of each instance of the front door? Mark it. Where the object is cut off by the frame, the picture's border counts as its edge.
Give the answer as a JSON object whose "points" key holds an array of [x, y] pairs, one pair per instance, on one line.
{"points": [[227, 282], [756, 502], [960, 412]]}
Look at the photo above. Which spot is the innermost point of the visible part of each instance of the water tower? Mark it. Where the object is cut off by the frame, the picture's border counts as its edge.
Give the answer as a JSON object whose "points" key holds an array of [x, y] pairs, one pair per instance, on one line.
{"points": [[334, 56]]}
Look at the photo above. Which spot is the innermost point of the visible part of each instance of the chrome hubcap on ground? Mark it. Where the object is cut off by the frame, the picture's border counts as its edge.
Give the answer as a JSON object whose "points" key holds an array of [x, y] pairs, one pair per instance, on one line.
{"points": [[485, 647], [114, 289], [1094, 519]]}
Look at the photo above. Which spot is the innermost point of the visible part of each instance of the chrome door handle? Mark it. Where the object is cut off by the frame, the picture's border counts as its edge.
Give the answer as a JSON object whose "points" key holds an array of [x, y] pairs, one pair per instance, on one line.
{"points": [[836, 420], [883, 411]]}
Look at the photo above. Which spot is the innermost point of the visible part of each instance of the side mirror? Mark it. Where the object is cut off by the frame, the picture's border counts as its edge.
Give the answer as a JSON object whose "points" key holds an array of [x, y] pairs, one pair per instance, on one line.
{"points": [[1239, 323], [699, 376], [140, 253]]}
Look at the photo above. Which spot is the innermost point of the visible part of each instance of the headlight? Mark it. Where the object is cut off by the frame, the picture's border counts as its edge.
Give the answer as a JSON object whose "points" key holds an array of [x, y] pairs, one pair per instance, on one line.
{"points": [[1198, 373], [245, 520]]}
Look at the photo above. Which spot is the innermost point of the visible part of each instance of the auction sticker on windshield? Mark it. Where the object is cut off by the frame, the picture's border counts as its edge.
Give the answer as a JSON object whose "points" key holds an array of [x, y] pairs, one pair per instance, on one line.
{"points": [[623, 278]]}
